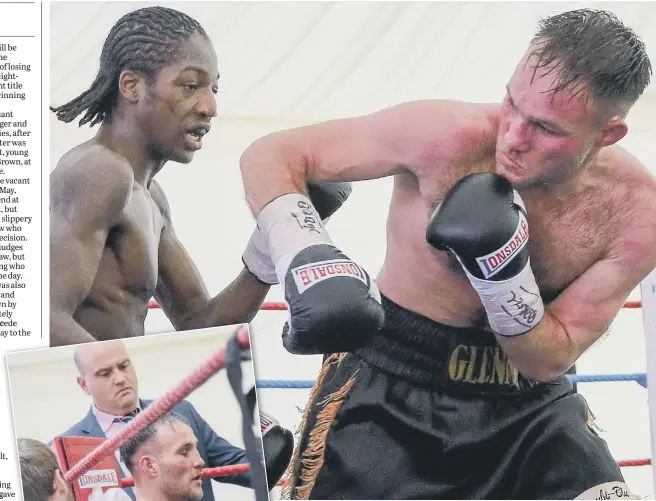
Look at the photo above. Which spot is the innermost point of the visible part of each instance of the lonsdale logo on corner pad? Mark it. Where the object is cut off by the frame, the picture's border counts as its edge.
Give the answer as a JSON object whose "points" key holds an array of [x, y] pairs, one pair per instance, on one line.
{"points": [[98, 478], [311, 274], [495, 261]]}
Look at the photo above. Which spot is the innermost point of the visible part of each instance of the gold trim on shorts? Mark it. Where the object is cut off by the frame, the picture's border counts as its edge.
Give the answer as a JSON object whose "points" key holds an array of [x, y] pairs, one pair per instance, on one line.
{"points": [[312, 458]]}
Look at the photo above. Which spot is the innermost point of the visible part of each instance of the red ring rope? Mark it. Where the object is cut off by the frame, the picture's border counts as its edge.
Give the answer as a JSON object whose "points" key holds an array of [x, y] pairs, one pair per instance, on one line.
{"points": [[199, 376], [219, 471], [152, 304], [633, 462]]}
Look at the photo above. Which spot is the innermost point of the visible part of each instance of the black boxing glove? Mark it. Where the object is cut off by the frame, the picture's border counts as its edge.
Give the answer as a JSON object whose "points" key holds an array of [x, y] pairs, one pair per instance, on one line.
{"points": [[334, 305], [326, 197], [278, 445], [483, 222]]}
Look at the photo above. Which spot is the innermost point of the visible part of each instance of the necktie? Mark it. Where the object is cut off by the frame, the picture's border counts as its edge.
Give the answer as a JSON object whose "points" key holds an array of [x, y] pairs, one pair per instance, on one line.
{"points": [[127, 417]]}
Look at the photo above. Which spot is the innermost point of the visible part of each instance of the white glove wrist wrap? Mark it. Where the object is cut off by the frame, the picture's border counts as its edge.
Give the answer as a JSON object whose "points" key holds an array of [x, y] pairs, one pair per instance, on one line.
{"points": [[290, 223], [513, 306], [257, 261]]}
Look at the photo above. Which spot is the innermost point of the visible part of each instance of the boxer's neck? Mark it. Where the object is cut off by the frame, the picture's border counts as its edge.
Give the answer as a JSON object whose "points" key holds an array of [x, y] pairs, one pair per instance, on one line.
{"points": [[127, 141], [150, 493]]}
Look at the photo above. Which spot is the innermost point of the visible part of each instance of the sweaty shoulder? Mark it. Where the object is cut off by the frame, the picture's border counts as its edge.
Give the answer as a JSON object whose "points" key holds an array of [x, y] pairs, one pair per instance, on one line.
{"points": [[441, 139], [455, 128], [627, 174], [633, 188], [92, 182]]}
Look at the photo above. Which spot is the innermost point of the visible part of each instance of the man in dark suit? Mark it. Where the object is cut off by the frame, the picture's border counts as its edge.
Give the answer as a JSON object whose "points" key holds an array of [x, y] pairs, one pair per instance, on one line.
{"points": [[108, 376]]}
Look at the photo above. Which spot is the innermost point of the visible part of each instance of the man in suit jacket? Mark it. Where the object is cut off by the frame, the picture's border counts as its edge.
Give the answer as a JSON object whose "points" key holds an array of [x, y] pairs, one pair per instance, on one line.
{"points": [[108, 376]]}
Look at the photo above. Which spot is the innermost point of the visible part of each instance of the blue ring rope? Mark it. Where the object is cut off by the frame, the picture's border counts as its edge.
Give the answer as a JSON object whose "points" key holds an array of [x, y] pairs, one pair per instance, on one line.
{"points": [[641, 379]]}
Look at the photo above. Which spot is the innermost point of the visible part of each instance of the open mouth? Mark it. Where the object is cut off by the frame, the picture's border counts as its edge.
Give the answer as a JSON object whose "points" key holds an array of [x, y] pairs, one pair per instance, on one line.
{"points": [[194, 136]]}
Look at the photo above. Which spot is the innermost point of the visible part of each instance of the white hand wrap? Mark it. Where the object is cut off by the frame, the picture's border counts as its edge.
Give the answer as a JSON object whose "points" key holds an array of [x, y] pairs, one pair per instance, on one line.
{"points": [[513, 306], [289, 224], [256, 259]]}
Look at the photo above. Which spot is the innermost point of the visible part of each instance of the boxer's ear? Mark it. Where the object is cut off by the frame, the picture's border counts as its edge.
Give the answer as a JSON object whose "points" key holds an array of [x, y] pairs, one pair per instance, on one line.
{"points": [[130, 86], [148, 465], [615, 129]]}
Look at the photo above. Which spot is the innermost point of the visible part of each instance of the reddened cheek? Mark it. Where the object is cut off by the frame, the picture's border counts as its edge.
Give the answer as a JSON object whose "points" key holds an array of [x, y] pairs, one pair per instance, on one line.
{"points": [[553, 144]]}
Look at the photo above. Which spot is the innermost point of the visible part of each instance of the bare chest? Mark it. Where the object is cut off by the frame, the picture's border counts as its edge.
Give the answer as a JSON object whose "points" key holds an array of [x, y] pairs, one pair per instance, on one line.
{"points": [[131, 252], [565, 242], [565, 238]]}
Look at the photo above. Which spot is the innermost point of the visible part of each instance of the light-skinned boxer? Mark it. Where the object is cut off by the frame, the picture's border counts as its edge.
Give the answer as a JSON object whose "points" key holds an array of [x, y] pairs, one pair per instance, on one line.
{"points": [[516, 231]]}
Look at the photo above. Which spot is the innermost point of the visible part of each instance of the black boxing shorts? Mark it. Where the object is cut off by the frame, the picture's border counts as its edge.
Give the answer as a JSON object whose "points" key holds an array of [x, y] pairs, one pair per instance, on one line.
{"points": [[428, 411]]}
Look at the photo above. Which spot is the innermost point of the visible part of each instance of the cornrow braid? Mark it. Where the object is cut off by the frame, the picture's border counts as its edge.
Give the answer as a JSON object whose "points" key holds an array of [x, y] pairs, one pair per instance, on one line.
{"points": [[142, 41]]}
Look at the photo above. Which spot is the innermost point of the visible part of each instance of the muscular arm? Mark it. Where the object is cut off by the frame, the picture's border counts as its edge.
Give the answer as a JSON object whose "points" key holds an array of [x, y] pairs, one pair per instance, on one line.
{"points": [[409, 137], [181, 291], [585, 309], [87, 197]]}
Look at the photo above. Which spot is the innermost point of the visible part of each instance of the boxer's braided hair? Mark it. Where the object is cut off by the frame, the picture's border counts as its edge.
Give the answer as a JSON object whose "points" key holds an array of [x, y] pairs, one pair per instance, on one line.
{"points": [[593, 51], [142, 41]]}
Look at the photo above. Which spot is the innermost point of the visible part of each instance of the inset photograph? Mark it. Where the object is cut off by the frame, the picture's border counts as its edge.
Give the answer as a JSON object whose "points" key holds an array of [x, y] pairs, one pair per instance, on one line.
{"points": [[162, 417]]}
